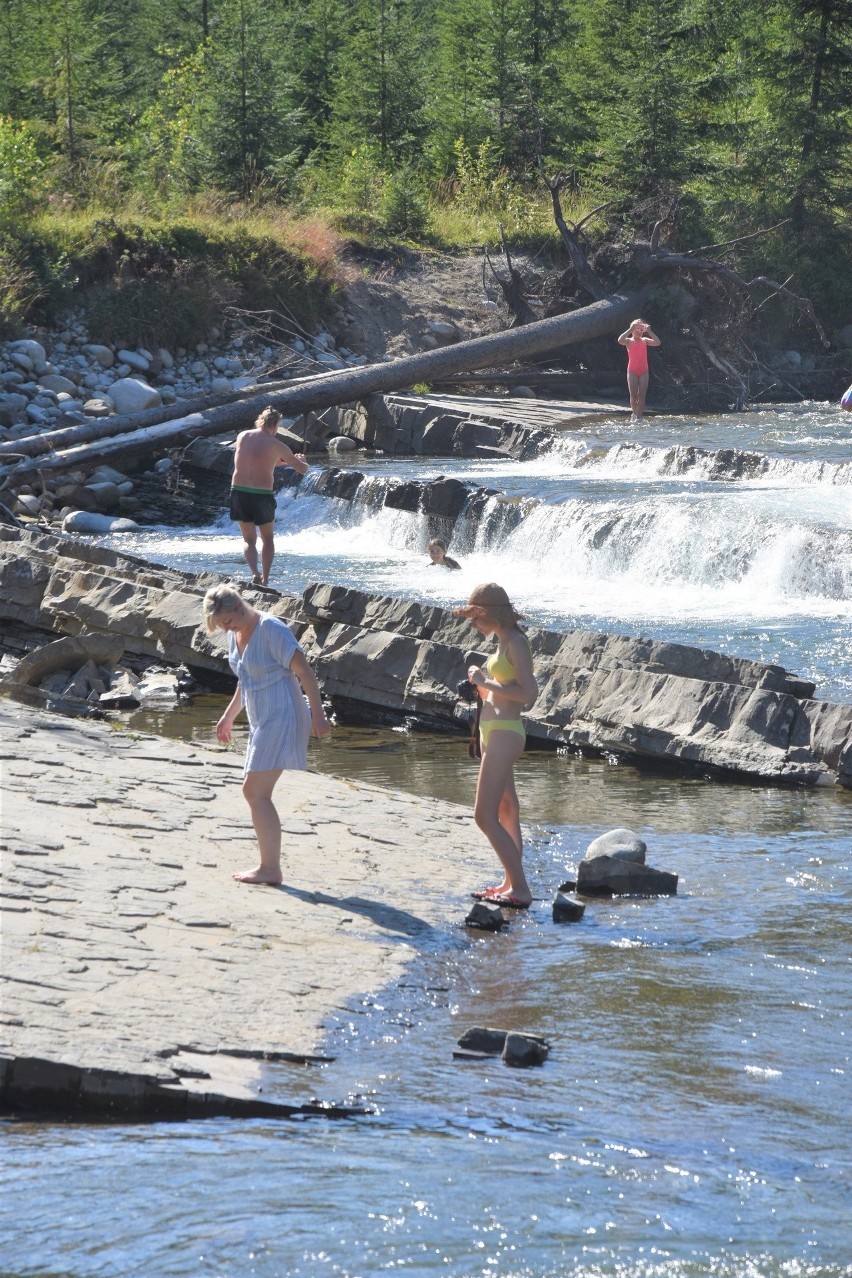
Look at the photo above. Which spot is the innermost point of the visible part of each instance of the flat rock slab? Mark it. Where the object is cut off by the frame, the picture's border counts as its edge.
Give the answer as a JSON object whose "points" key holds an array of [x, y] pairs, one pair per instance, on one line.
{"points": [[137, 976]]}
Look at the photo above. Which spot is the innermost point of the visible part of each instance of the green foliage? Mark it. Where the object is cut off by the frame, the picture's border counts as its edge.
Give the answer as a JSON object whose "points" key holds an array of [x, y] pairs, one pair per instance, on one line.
{"points": [[166, 282], [481, 184], [380, 87], [360, 187], [19, 291], [404, 210], [425, 119], [21, 170]]}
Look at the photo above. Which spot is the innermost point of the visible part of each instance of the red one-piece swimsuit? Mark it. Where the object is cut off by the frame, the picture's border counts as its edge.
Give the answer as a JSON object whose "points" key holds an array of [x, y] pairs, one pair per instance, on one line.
{"points": [[637, 357]]}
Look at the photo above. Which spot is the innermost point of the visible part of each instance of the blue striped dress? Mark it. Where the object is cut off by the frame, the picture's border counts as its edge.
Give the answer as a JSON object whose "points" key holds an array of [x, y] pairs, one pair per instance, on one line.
{"points": [[278, 714]]}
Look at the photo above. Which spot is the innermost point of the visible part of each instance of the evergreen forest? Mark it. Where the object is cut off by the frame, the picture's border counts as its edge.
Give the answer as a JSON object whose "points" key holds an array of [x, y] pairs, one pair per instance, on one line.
{"points": [[423, 121]]}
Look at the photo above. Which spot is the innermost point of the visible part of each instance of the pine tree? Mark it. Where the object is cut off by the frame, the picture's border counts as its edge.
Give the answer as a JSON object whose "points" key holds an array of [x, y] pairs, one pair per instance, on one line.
{"points": [[380, 90], [246, 122]]}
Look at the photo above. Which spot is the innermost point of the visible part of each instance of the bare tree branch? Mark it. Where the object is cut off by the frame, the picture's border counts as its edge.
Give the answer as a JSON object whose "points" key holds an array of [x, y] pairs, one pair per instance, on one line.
{"points": [[578, 226], [585, 275], [721, 364], [804, 302], [709, 248]]}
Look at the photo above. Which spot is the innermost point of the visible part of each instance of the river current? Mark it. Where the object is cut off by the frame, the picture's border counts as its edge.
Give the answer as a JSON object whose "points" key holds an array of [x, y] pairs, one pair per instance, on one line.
{"points": [[693, 1117]]}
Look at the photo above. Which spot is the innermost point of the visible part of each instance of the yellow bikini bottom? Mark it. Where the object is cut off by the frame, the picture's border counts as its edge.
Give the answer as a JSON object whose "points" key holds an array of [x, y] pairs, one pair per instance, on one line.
{"points": [[487, 726]]}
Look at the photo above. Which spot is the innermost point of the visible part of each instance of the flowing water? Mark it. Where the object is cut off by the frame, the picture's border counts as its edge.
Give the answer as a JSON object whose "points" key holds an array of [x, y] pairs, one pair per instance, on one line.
{"points": [[693, 1117]]}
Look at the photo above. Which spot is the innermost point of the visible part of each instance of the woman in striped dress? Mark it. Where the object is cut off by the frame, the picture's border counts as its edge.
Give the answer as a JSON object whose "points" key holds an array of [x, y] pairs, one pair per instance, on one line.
{"points": [[274, 679]]}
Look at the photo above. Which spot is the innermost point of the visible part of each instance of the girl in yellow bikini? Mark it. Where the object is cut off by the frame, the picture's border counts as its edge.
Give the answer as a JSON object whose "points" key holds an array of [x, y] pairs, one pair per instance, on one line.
{"points": [[506, 685]]}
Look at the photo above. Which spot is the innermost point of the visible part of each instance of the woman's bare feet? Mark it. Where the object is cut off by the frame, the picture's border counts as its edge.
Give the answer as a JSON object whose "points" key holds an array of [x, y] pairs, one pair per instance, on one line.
{"points": [[271, 878]]}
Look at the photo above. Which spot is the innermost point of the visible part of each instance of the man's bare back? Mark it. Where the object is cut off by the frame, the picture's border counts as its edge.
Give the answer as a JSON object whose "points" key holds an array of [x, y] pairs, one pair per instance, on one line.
{"points": [[257, 453]]}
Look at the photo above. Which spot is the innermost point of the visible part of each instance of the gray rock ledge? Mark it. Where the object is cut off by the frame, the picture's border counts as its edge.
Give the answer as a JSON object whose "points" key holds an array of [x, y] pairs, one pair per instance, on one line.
{"points": [[386, 659]]}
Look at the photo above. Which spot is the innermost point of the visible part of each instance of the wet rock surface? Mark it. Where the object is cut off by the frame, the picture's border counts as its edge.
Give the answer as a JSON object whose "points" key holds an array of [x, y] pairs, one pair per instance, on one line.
{"points": [[378, 656]]}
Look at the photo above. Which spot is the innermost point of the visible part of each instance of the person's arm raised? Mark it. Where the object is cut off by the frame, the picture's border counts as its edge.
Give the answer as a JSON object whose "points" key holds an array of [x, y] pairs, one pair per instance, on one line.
{"points": [[286, 457]]}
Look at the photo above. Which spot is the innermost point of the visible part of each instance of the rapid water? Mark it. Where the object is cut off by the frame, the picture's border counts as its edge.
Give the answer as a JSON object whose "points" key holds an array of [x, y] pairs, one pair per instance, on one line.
{"points": [[629, 536], [693, 1117]]}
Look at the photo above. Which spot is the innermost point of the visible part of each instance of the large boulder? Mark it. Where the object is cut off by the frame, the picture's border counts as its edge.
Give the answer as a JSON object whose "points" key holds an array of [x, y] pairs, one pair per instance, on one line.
{"points": [[611, 876], [67, 653], [86, 521], [130, 395]]}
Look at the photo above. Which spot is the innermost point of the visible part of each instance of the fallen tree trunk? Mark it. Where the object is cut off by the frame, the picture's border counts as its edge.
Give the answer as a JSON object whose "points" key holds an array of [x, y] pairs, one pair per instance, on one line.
{"points": [[105, 427], [605, 316]]}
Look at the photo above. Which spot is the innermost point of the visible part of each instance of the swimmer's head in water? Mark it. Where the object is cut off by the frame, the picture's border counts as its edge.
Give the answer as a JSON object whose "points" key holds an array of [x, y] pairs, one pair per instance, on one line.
{"points": [[437, 550]]}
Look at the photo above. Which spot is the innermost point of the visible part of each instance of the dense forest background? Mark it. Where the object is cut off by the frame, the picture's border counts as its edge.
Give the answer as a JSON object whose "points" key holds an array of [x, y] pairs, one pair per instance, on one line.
{"points": [[422, 120]]}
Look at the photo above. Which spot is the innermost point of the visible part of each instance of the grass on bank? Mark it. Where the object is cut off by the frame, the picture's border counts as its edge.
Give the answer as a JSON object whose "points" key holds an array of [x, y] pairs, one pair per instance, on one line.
{"points": [[147, 275], [143, 278]]}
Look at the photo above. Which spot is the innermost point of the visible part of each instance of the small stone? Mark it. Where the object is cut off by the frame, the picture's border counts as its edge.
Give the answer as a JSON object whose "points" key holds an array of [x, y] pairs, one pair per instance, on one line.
{"points": [[489, 1042], [106, 475], [487, 918], [101, 354], [443, 331], [520, 1051], [55, 382], [135, 360], [130, 395], [83, 521], [565, 910], [26, 504], [97, 408]]}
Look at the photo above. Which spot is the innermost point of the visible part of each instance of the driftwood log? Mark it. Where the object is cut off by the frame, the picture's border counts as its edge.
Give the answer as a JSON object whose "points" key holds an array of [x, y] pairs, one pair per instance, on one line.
{"points": [[139, 434]]}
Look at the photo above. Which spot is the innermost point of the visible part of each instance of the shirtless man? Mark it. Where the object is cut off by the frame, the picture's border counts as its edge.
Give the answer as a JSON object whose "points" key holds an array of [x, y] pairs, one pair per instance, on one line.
{"points": [[257, 453]]}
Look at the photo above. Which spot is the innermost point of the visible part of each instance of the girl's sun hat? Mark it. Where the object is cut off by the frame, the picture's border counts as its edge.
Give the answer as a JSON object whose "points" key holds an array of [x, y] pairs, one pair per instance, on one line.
{"points": [[490, 600]]}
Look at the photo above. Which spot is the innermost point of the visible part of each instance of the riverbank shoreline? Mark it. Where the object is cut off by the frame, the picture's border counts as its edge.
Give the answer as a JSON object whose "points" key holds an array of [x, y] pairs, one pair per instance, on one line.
{"points": [[139, 980]]}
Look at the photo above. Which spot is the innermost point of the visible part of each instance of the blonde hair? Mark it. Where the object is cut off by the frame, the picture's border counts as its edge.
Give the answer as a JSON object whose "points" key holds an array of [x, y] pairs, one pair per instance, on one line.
{"points": [[220, 599], [490, 600], [268, 417]]}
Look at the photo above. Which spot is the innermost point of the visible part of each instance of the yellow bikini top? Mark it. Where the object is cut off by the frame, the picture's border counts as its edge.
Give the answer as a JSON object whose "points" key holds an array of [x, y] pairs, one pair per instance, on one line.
{"points": [[500, 666]]}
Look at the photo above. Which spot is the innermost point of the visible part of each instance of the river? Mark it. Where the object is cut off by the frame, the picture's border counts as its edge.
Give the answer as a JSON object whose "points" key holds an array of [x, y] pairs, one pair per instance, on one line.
{"points": [[693, 1117]]}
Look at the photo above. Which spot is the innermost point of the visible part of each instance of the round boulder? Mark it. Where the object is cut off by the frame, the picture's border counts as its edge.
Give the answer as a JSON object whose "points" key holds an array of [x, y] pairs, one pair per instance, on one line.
{"points": [[56, 382], [130, 395], [100, 354], [85, 521], [622, 845]]}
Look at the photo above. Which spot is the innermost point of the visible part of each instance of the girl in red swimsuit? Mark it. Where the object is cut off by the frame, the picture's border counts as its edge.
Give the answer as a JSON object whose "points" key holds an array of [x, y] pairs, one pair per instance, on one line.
{"points": [[637, 338]]}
